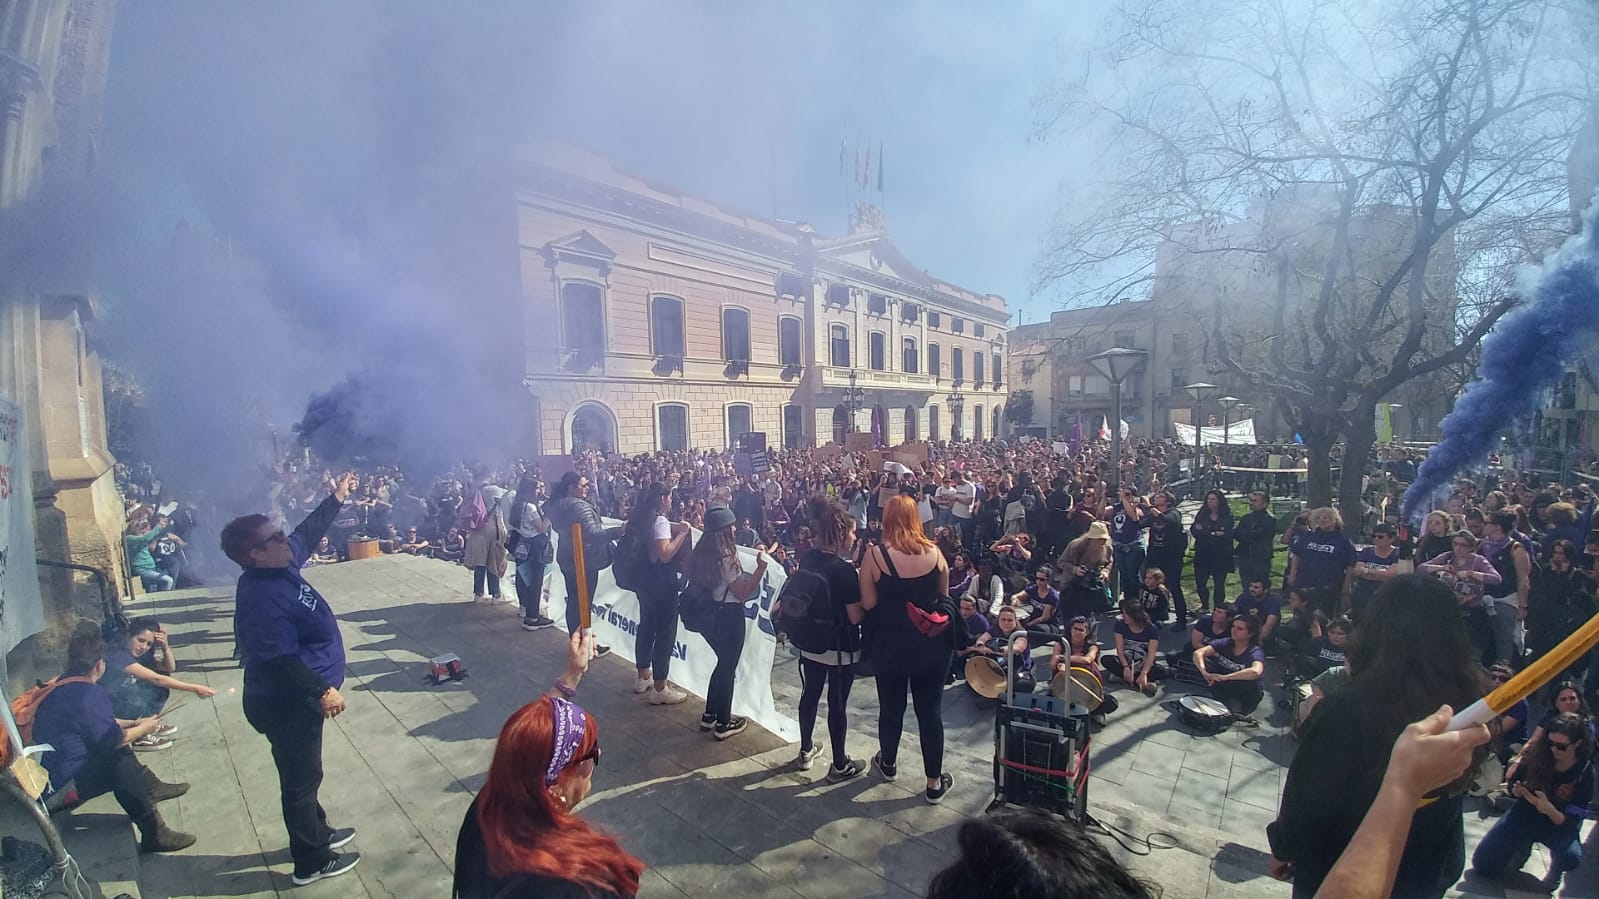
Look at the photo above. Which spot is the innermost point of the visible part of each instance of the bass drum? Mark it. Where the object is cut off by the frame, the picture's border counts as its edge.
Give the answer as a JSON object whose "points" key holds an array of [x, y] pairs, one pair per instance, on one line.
{"points": [[1083, 687], [985, 677]]}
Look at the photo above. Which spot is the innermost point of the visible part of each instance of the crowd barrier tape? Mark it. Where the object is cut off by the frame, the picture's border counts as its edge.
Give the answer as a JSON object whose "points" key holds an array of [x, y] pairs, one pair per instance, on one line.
{"points": [[615, 622]]}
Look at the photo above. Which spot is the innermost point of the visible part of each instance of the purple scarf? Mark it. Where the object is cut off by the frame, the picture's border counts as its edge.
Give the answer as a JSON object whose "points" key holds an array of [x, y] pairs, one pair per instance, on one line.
{"points": [[570, 723]]}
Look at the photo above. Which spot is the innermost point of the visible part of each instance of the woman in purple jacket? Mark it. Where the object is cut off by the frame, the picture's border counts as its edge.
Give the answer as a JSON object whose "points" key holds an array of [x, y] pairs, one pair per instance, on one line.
{"points": [[1466, 573]]}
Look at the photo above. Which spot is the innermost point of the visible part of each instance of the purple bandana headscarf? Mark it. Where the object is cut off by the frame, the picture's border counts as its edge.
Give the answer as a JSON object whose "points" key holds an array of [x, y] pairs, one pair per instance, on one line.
{"points": [[570, 722]]}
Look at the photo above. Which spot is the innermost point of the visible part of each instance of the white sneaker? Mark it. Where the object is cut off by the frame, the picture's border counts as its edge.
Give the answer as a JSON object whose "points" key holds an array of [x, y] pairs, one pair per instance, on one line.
{"points": [[643, 683], [670, 696]]}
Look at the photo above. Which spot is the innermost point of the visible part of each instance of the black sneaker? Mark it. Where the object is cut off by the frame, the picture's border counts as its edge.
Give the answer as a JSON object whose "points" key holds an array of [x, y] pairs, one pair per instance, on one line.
{"points": [[335, 866], [935, 795], [889, 772], [340, 836], [601, 650], [537, 623], [734, 726], [707, 722], [850, 770]]}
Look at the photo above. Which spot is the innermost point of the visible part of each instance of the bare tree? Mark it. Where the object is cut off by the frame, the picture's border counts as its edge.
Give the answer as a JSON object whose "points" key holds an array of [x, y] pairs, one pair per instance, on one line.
{"points": [[1342, 191]]}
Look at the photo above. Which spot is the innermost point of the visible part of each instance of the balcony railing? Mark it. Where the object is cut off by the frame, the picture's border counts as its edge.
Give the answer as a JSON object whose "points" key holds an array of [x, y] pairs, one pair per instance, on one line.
{"points": [[839, 377]]}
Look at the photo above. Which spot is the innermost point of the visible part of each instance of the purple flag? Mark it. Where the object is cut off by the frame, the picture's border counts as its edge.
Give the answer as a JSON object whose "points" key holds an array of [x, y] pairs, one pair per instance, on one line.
{"points": [[1077, 434]]}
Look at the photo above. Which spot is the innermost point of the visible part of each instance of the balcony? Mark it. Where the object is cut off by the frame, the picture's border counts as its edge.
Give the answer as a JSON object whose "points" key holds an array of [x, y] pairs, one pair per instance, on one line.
{"points": [[881, 380]]}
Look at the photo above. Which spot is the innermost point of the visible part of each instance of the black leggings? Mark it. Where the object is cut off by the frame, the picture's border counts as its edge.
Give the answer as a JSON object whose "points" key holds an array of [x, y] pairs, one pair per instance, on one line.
{"points": [[1204, 574], [1241, 696], [837, 679], [926, 689], [657, 631]]}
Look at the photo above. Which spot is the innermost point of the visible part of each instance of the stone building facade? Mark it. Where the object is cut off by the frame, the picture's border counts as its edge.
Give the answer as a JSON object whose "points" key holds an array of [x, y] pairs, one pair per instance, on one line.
{"points": [[659, 321]]}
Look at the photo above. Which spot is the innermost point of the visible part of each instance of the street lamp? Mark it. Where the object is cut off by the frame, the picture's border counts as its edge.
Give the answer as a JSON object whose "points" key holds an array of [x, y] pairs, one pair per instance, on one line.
{"points": [[956, 404], [1200, 391], [853, 398], [1227, 404], [1117, 365]]}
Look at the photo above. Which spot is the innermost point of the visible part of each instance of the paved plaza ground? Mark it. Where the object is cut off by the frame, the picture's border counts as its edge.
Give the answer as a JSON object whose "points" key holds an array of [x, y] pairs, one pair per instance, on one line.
{"points": [[709, 818]]}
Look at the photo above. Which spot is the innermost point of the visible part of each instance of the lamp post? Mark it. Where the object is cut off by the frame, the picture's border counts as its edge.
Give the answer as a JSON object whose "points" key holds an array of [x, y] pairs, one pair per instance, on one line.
{"points": [[1117, 365], [956, 404], [853, 397], [1227, 404], [1200, 391]]}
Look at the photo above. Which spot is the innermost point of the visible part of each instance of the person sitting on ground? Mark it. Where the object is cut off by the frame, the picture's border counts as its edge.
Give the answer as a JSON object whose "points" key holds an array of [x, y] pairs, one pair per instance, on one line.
{"points": [[454, 546], [1552, 787], [1301, 626], [136, 543], [961, 574], [139, 678], [1155, 596], [391, 541], [1267, 611], [978, 625], [1012, 657], [1510, 728], [325, 553], [1233, 668], [1078, 649], [91, 755], [745, 535], [1030, 854], [1039, 602], [1137, 645], [520, 836], [1327, 649], [413, 545], [986, 588]]}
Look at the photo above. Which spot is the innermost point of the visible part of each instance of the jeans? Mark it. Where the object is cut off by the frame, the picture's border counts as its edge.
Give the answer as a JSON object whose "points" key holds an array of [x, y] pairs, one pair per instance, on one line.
{"points": [[837, 679], [968, 528], [657, 630], [293, 726], [529, 587], [154, 580], [574, 617], [926, 691], [1512, 837], [1129, 568], [1507, 631], [727, 641], [1172, 568], [117, 772], [138, 700], [479, 575], [1205, 575]]}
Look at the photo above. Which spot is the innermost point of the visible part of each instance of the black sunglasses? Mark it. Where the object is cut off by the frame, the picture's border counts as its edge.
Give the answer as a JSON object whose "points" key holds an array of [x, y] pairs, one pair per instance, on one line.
{"points": [[592, 755], [1561, 746]]}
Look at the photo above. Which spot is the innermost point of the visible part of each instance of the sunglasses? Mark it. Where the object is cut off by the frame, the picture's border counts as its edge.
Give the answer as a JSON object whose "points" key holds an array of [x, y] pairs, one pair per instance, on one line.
{"points": [[1561, 745], [278, 537], [593, 755]]}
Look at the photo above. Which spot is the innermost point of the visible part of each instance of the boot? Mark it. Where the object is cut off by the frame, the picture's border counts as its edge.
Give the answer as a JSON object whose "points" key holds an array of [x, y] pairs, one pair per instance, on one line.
{"points": [[161, 791], [156, 836]]}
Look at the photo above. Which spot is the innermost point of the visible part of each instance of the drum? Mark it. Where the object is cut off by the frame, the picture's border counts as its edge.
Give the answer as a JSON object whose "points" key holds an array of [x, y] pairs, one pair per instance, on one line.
{"points": [[363, 549], [1079, 686], [1204, 714], [985, 677]]}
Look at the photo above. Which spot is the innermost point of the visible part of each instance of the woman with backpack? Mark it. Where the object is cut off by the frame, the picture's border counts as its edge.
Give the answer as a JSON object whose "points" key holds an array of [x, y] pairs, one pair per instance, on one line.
{"points": [[531, 531], [714, 567], [904, 587], [485, 543], [663, 542], [828, 634]]}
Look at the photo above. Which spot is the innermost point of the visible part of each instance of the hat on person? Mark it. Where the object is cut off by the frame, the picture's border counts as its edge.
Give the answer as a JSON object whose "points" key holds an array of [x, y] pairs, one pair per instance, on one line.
{"points": [[1098, 531], [718, 517]]}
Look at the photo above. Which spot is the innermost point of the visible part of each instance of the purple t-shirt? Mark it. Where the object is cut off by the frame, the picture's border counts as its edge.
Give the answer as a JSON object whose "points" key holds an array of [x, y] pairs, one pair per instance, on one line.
{"points": [[1135, 644], [1123, 529], [77, 720], [1224, 662], [1324, 558]]}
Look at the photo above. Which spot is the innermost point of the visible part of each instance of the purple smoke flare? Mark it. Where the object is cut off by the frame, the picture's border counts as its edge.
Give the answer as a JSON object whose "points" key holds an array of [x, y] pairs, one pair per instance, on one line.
{"points": [[1523, 356]]}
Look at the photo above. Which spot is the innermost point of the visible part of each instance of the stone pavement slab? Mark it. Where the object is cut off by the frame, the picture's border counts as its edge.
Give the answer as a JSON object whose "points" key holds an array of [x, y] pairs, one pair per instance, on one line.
{"points": [[709, 818]]}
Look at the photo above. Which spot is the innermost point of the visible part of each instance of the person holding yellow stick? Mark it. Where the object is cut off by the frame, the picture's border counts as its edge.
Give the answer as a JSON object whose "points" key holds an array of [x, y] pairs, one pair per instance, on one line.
{"points": [[571, 506], [1413, 655]]}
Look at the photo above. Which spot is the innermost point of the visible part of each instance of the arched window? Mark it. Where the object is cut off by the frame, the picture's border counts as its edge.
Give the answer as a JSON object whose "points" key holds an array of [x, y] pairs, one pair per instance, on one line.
{"points": [[735, 335], [671, 427], [877, 350], [582, 317], [838, 346], [932, 422], [789, 344], [977, 422], [910, 424], [957, 364], [740, 418], [977, 368], [908, 356], [666, 326], [998, 419], [935, 365]]}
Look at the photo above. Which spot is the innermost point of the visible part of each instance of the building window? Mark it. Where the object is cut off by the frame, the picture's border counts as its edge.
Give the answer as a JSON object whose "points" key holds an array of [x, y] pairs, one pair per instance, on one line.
{"points": [[736, 335], [957, 324], [977, 369], [910, 424], [978, 330], [671, 427], [877, 350], [908, 356], [666, 326], [1179, 377], [1126, 339], [740, 418], [876, 304], [909, 312], [977, 423], [933, 319], [932, 422], [788, 341], [582, 318], [1179, 343], [1077, 346], [838, 294], [994, 367], [838, 346], [957, 364], [793, 426], [791, 284], [935, 366]]}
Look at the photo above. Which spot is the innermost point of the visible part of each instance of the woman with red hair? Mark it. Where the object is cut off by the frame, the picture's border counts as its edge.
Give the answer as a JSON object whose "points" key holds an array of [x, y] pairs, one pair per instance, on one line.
{"points": [[520, 838]]}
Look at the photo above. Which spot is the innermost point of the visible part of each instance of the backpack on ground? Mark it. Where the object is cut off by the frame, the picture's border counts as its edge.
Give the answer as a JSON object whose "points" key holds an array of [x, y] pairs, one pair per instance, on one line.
{"points": [[473, 512], [806, 611], [26, 707]]}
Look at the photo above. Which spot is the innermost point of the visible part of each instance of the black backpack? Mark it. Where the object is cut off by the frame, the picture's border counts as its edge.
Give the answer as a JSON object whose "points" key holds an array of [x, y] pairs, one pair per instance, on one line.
{"points": [[806, 611], [631, 565]]}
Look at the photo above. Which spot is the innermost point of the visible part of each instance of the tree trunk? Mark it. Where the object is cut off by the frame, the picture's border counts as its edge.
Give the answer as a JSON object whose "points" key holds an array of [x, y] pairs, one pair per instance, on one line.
{"points": [[1319, 476], [1358, 441]]}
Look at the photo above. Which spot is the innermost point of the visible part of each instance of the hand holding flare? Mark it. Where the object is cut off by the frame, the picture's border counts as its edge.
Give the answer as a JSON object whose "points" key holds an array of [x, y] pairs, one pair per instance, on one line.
{"points": [[1524, 684]]}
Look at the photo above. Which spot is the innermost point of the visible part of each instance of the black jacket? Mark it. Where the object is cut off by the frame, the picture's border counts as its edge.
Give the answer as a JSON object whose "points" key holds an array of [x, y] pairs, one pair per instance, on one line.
{"points": [[1256, 535], [566, 511]]}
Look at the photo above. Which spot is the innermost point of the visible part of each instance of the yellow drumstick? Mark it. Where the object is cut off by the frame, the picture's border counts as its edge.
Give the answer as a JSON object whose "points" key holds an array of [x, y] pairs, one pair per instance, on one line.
{"points": [[1541, 672], [582, 577]]}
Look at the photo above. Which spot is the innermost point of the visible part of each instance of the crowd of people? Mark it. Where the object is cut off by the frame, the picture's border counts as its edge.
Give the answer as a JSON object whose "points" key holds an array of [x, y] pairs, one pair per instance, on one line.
{"points": [[983, 551]]}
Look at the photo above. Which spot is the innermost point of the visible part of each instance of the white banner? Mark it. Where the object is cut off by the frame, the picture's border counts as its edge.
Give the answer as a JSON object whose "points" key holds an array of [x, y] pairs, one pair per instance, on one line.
{"points": [[21, 607], [614, 617], [1240, 432]]}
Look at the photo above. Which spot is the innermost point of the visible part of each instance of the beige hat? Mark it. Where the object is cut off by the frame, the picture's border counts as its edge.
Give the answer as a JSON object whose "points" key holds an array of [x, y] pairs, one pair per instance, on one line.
{"points": [[1098, 531]]}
